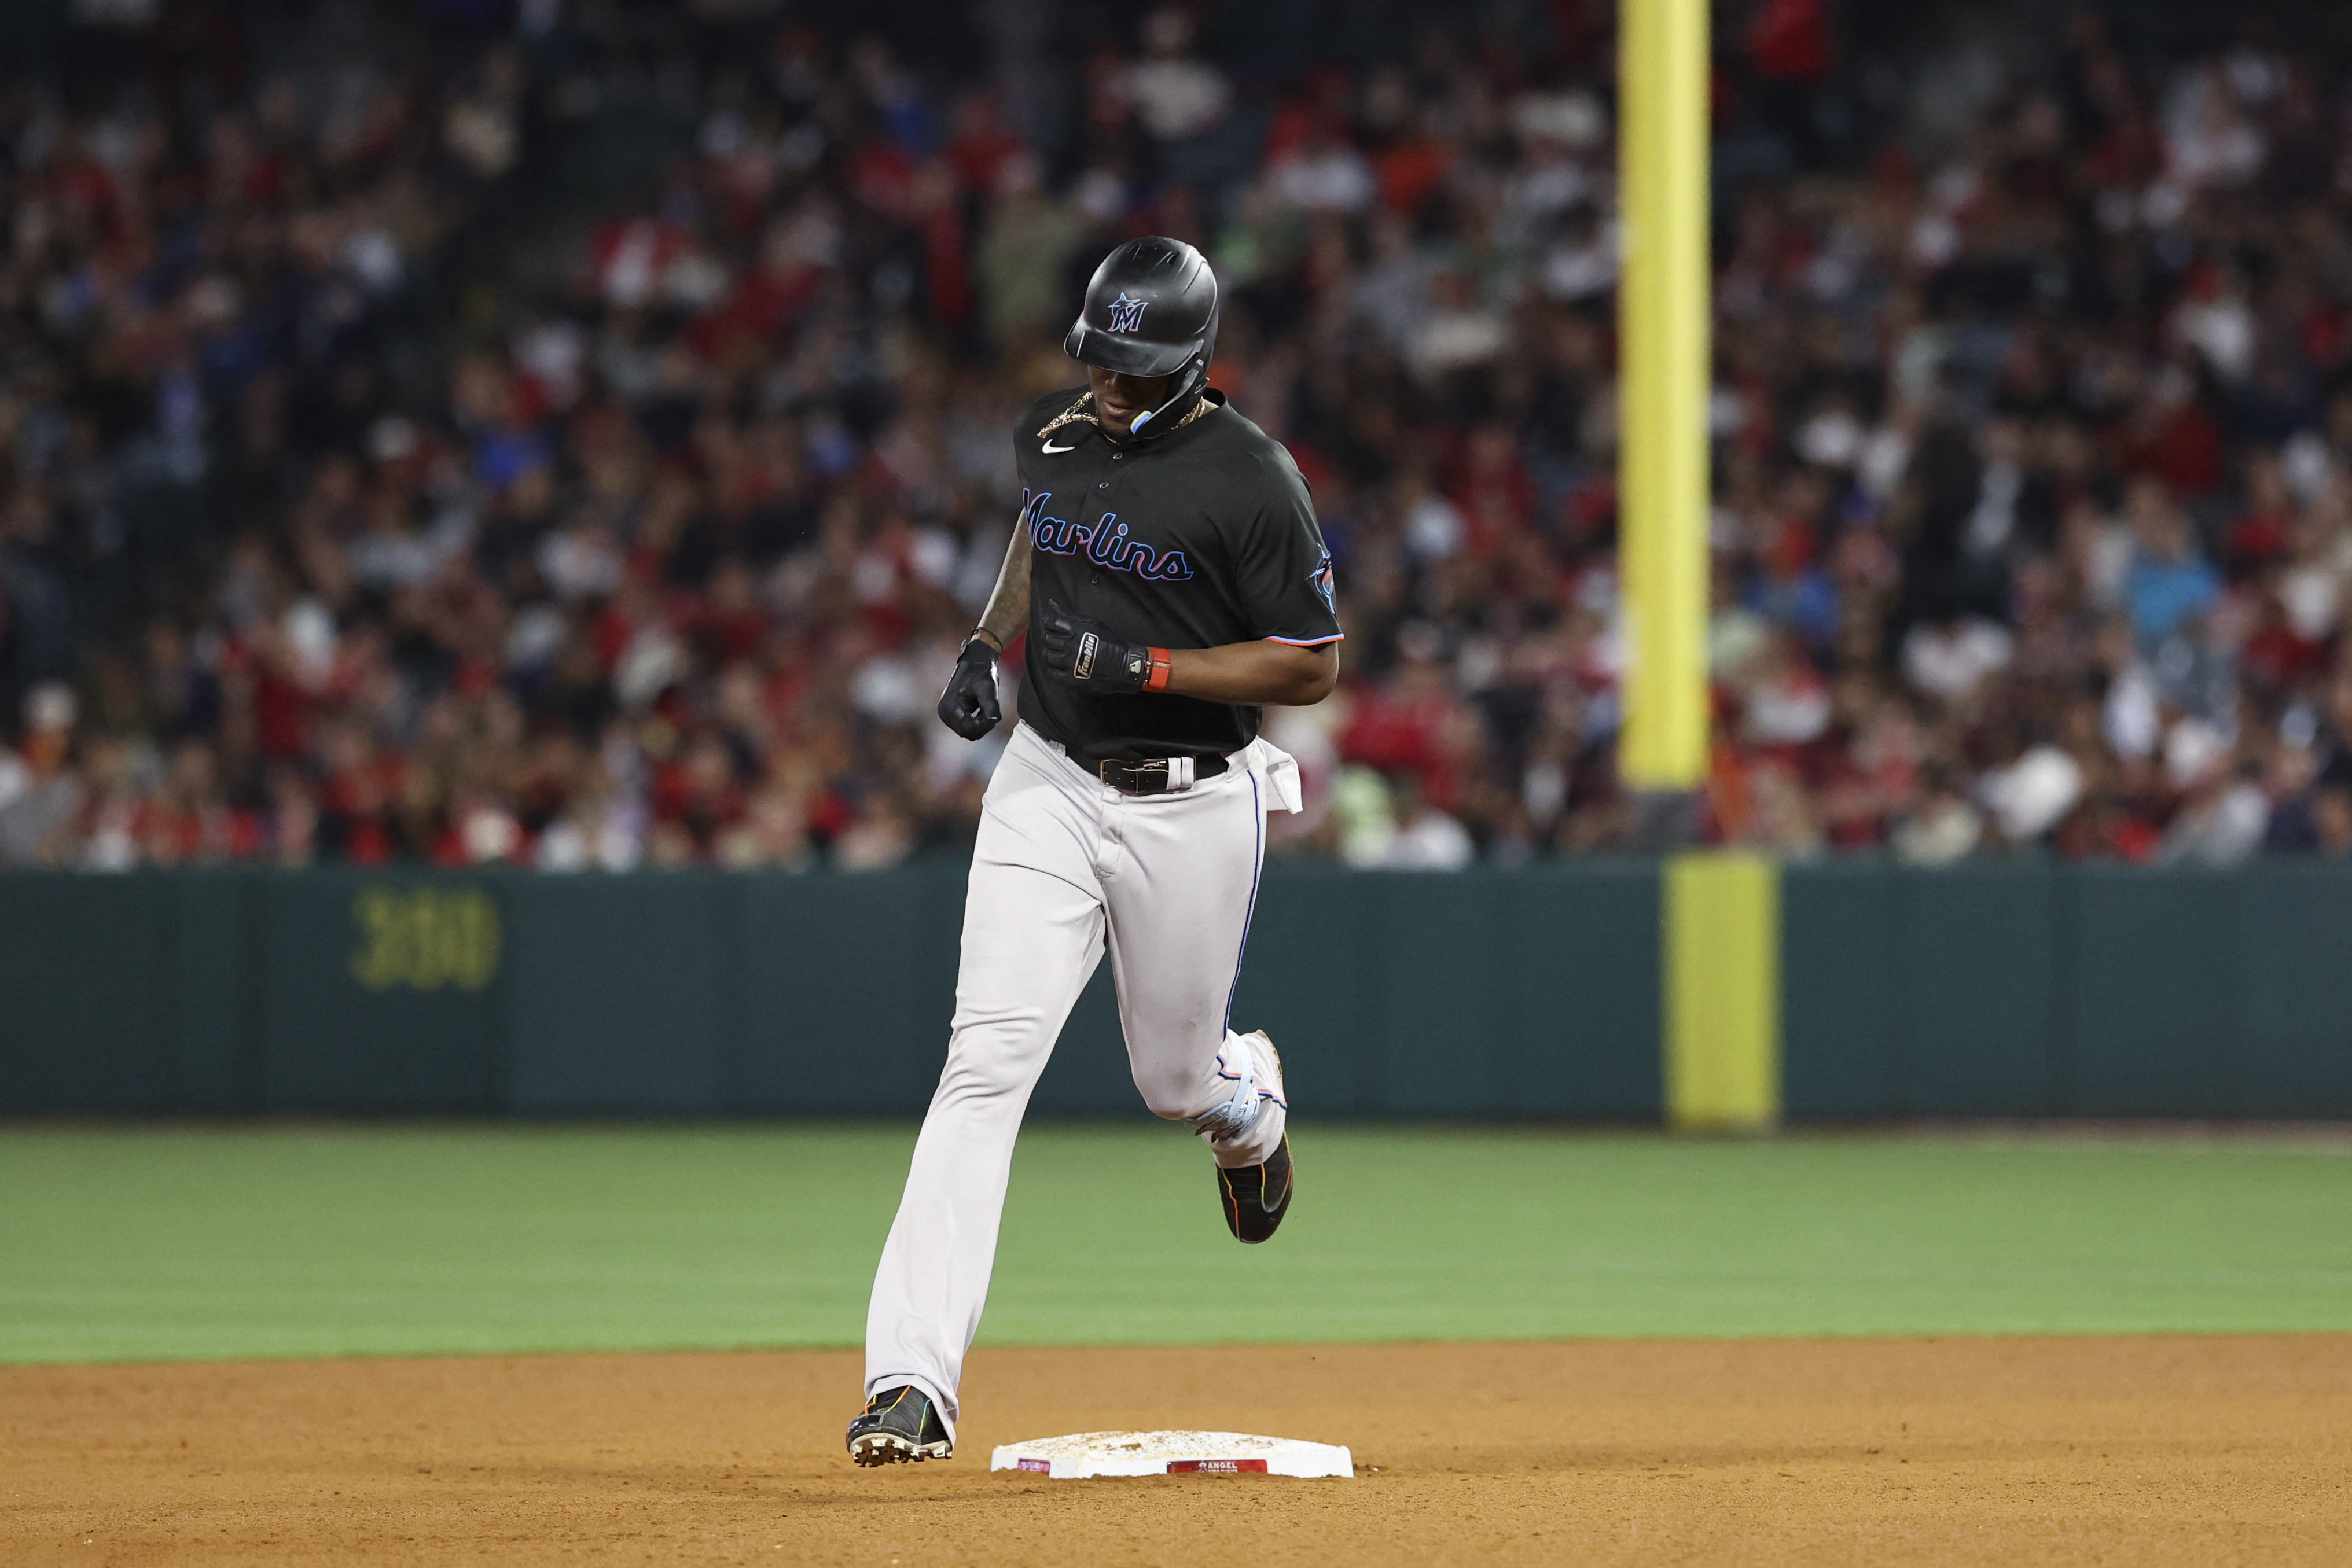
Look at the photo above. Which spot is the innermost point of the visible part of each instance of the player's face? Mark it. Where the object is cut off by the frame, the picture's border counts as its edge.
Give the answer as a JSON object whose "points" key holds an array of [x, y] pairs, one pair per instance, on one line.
{"points": [[1119, 398]]}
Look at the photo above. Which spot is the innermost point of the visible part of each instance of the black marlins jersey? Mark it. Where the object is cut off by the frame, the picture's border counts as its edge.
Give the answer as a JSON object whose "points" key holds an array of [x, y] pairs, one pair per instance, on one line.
{"points": [[1196, 539]]}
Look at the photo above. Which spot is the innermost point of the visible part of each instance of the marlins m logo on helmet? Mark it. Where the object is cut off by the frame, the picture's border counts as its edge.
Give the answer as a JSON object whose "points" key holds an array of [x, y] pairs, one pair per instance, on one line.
{"points": [[1127, 314]]}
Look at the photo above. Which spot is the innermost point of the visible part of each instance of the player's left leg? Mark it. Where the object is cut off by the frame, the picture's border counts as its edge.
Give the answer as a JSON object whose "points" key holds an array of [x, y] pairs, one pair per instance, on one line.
{"points": [[1178, 899]]}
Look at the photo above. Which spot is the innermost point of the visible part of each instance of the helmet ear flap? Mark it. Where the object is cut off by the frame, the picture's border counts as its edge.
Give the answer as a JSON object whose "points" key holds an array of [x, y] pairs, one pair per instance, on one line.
{"points": [[1191, 379]]}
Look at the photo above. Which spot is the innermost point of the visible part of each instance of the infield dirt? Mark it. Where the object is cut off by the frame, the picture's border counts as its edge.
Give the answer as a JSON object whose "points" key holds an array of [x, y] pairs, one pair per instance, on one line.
{"points": [[2155, 1450]]}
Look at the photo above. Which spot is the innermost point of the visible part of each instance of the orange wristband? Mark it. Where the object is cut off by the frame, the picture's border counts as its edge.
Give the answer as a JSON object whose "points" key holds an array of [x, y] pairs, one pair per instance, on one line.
{"points": [[1163, 665]]}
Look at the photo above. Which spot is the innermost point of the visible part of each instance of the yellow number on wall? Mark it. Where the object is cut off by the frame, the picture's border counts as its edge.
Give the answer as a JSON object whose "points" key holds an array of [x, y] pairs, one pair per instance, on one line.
{"points": [[424, 940]]}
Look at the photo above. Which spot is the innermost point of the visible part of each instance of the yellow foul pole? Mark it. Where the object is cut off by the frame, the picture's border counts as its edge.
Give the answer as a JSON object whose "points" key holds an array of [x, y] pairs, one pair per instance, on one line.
{"points": [[1720, 958], [1663, 382]]}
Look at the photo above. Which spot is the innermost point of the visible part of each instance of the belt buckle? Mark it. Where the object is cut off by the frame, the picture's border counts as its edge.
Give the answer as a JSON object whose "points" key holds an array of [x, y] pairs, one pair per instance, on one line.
{"points": [[1150, 775]]}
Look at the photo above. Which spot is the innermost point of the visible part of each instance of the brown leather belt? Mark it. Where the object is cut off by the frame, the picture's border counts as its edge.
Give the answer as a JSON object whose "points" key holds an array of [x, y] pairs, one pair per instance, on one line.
{"points": [[1152, 775]]}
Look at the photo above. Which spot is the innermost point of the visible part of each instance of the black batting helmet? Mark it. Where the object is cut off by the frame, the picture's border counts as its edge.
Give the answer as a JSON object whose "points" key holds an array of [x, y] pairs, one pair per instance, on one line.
{"points": [[1150, 310]]}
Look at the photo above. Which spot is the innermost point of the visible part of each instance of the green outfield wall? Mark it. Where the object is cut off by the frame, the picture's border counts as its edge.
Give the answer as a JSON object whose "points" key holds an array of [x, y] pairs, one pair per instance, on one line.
{"points": [[1991, 990]]}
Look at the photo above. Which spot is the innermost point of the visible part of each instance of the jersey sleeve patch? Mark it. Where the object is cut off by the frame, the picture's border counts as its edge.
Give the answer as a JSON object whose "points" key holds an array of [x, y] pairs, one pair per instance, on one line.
{"points": [[1293, 596]]}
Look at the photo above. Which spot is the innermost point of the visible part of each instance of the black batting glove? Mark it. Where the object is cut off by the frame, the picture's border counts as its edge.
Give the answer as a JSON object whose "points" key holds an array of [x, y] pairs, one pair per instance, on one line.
{"points": [[969, 705], [1088, 655]]}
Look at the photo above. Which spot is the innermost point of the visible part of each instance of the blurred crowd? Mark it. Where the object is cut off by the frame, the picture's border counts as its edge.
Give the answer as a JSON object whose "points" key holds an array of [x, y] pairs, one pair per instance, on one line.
{"points": [[2032, 515]]}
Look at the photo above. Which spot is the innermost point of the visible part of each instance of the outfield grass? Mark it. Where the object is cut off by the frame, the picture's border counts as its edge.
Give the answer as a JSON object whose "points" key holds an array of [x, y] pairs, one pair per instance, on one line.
{"points": [[286, 1241]]}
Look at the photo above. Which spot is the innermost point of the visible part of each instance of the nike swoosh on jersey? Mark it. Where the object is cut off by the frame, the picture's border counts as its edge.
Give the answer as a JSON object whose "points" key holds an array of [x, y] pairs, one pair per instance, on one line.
{"points": [[1057, 451]]}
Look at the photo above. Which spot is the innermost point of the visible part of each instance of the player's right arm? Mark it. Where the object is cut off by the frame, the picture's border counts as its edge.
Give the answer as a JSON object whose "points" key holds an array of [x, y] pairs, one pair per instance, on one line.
{"points": [[969, 705], [1008, 603]]}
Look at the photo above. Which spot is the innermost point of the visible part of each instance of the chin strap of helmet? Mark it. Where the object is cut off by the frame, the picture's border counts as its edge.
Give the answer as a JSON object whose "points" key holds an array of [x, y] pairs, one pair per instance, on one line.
{"points": [[1195, 382], [1192, 384]]}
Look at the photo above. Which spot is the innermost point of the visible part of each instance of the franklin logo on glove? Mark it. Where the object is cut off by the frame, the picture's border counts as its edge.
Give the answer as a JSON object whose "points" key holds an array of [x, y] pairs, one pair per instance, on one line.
{"points": [[1083, 653]]}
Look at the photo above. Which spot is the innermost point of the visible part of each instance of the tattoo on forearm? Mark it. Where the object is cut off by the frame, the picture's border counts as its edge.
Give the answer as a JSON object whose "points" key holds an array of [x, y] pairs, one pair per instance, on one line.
{"points": [[1007, 614]]}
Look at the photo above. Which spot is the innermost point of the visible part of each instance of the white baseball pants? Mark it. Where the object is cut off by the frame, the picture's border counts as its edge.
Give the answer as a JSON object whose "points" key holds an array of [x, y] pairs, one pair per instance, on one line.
{"points": [[1065, 867]]}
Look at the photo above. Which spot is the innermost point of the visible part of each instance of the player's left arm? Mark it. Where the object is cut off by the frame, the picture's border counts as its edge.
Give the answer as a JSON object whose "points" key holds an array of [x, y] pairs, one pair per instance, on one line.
{"points": [[1090, 656], [1255, 673]]}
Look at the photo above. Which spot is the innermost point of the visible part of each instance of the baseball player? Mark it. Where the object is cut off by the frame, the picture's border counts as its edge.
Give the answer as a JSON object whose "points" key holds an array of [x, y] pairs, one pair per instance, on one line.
{"points": [[1172, 581]]}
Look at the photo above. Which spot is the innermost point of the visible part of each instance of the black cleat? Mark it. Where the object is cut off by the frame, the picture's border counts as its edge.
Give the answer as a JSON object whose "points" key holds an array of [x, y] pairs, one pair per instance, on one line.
{"points": [[898, 1425], [1255, 1198]]}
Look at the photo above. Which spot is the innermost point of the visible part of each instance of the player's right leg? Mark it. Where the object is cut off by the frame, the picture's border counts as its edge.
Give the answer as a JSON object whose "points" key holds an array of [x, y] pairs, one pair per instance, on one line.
{"points": [[1032, 932]]}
